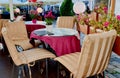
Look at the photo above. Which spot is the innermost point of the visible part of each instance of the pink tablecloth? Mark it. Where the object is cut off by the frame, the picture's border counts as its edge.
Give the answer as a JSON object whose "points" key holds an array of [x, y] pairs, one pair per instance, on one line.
{"points": [[31, 27], [60, 44]]}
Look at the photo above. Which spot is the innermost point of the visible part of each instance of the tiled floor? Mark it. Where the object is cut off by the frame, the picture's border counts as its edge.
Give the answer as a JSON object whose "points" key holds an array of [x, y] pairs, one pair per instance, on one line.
{"points": [[113, 70]]}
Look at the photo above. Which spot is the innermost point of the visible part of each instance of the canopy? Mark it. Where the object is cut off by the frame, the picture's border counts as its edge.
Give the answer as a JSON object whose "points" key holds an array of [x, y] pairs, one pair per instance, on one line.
{"points": [[14, 2]]}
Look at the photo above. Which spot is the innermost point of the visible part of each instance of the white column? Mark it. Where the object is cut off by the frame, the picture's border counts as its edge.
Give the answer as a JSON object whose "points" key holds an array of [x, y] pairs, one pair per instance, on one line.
{"points": [[11, 10]]}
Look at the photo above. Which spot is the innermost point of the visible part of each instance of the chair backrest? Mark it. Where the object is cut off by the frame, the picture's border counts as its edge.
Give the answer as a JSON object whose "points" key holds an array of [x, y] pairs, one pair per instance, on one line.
{"points": [[66, 21], [11, 47], [19, 18], [2, 22], [17, 30], [95, 53]]}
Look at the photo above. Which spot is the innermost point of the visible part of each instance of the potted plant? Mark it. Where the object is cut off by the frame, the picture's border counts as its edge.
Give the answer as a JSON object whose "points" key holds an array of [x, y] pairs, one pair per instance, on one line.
{"points": [[49, 18], [33, 15]]}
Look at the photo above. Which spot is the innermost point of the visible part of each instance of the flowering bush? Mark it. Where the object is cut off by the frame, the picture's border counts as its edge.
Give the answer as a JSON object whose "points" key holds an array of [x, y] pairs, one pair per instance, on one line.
{"points": [[49, 18], [83, 19], [101, 9], [33, 14], [106, 21]]}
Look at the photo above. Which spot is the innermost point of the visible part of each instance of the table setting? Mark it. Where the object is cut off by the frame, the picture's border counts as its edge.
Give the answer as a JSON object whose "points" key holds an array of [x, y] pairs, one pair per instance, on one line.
{"points": [[61, 40]]}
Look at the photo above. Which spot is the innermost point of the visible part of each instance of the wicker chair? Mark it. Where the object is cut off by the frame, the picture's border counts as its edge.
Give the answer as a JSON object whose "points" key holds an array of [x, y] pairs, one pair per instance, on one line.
{"points": [[65, 22], [2, 22], [93, 58], [19, 18], [26, 57], [18, 33]]}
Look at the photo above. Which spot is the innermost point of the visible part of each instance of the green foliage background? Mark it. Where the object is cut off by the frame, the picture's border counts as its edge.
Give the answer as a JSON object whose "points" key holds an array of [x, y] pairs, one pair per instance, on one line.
{"points": [[66, 8]]}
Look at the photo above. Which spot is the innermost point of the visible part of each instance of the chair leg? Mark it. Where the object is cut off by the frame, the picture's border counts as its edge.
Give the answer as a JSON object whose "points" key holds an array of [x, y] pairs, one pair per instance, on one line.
{"points": [[58, 69], [19, 71], [29, 70], [46, 68], [26, 70], [102, 75], [23, 71], [13, 68]]}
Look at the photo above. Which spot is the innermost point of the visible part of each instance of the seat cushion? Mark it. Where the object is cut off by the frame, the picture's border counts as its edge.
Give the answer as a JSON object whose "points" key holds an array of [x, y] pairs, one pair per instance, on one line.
{"points": [[69, 61], [32, 55]]}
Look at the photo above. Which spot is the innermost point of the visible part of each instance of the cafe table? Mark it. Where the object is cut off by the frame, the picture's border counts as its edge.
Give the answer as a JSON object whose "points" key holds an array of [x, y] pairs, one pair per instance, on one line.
{"points": [[30, 26], [61, 40]]}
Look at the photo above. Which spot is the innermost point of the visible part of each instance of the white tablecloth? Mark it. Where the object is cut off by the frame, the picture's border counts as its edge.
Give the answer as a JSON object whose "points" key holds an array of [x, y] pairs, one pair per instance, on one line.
{"points": [[38, 22]]}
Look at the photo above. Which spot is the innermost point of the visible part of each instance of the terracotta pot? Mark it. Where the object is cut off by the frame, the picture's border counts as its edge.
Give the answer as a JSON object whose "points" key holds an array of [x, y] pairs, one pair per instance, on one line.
{"points": [[116, 47]]}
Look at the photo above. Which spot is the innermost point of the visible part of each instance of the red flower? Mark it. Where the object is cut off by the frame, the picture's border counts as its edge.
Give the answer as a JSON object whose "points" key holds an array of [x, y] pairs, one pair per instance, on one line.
{"points": [[118, 17], [33, 14], [105, 9], [49, 15], [106, 24]]}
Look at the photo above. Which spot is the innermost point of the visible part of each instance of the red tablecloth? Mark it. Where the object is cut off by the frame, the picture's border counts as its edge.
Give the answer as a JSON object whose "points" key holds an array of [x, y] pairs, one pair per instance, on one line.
{"points": [[60, 44], [31, 27]]}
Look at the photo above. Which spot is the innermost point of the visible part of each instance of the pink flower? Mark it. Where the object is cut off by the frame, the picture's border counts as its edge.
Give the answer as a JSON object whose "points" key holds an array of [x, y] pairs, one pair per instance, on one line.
{"points": [[105, 9], [78, 18], [87, 20], [106, 24], [49, 15], [118, 17], [96, 7], [34, 12]]}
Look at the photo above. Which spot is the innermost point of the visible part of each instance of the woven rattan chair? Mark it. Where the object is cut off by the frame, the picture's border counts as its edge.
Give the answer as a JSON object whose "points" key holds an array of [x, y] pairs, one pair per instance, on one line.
{"points": [[19, 18], [26, 57], [18, 33], [93, 58], [2, 22], [65, 22]]}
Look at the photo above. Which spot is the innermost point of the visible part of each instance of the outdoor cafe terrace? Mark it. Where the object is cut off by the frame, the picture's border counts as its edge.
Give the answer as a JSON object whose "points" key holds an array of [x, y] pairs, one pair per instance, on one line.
{"points": [[59, 39]]}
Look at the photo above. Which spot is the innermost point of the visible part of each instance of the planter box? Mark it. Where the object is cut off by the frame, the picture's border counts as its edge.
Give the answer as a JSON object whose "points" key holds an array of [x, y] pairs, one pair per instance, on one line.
{"points": [[116, 47], [85, 29]]}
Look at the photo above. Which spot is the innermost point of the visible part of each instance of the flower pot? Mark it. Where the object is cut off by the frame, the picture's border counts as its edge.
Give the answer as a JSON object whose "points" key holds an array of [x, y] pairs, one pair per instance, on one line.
{"points": [[99, 31], [49, 28], [34, 20], [85, 29], [116, 47]]}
